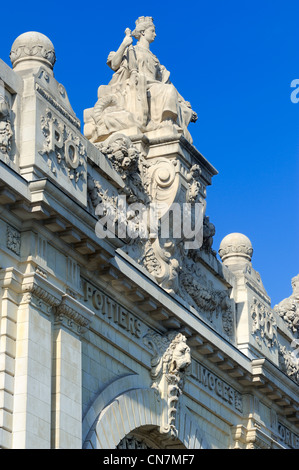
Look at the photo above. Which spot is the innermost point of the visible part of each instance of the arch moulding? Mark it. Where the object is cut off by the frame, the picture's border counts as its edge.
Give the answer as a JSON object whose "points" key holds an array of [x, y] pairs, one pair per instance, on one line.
{"points": [[125, 405]]}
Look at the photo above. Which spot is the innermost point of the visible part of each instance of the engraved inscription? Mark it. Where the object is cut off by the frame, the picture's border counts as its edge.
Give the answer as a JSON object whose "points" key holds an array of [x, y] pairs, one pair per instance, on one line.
{"points": [[112, 311], [216, 386]]}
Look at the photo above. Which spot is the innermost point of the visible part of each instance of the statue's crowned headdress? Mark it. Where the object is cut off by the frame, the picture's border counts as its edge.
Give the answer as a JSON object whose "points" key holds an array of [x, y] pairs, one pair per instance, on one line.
{"points": [[142, 23]]}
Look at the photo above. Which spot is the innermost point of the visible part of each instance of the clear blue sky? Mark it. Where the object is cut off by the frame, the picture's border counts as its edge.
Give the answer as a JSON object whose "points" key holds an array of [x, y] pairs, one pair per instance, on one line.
{"points": [[234, 61]]}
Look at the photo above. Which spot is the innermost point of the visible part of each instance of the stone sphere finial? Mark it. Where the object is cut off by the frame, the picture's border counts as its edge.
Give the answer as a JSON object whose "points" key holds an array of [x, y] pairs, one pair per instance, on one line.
{"points": [[32, 49], [235, 248]]}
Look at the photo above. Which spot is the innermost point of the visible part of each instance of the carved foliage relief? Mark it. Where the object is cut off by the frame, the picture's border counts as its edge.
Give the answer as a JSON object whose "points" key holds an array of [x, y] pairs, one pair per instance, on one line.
{"points": [[13, 240], [162, 182], [211, 302]]}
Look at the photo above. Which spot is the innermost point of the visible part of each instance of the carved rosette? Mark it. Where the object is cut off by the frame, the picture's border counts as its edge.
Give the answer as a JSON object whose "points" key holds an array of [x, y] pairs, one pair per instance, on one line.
{"points": [[169, 366]]}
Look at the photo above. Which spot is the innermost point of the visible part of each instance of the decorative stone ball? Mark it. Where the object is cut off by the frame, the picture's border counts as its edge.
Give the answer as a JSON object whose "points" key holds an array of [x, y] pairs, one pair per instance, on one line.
{"points": [[32, 49], [235, 248]]}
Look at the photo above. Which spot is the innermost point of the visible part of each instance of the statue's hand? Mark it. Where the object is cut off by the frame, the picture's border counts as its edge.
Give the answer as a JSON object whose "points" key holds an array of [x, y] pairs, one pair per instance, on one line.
{"points": [[194, 117], [128, 40]]}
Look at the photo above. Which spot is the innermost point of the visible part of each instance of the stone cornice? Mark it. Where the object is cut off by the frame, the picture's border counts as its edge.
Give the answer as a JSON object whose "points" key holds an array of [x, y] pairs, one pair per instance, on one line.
{"points": [[37, 285], [71, 213], [64, 305], [253, 437], [198, 156], [269, 373]]}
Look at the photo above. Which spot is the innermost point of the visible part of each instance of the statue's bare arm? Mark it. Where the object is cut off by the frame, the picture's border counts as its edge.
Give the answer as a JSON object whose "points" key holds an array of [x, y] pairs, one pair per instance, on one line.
{"points": [[115, 58]]}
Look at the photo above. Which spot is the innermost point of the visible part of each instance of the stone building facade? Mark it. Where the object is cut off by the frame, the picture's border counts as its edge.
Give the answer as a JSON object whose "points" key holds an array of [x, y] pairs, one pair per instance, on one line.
{"points": [[111, 340]]}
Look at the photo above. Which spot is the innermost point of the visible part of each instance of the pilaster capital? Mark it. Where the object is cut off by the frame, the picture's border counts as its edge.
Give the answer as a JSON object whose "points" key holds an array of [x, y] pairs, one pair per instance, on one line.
{"points": [[40, 287], [73, 315], [11, 278]]}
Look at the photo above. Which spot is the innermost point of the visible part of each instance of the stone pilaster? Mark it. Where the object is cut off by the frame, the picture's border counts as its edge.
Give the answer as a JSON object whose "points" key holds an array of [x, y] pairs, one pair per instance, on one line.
{"points": [[70, 321], [10, 281], [32, 385], [256, 328]]}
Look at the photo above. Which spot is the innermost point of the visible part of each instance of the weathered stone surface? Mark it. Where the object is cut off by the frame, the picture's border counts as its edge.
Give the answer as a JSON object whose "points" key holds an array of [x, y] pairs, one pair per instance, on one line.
{"points": [[140, 96], [111, 340]]}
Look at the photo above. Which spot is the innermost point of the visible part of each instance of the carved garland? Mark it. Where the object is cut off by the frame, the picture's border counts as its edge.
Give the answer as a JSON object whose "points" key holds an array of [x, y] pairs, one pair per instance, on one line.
{"points": [[210, 301]]}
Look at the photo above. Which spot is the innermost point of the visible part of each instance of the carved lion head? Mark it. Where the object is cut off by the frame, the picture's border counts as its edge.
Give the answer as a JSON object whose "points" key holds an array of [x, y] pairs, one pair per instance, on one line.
{"points": [[171, 354]]}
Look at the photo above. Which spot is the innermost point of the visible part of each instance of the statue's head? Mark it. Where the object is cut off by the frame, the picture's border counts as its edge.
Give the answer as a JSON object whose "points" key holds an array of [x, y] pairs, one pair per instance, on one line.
{"points": [[295, 284], [144, 27], [180, 357], [171, 354]]}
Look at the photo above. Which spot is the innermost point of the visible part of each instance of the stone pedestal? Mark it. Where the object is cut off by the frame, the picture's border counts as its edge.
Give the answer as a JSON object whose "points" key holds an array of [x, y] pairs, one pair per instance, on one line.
{"points": [[51, 144], [256, 325], [32, 387]]}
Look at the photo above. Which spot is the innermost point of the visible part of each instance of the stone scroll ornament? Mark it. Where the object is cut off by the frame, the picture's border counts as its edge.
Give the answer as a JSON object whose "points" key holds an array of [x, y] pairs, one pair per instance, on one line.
{"points": [[140, 93], [169, 366], [157, 185]]}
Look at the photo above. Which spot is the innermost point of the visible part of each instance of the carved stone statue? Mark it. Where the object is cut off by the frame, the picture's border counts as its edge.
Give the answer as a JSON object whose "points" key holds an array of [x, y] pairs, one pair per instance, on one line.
{"points": [[288, 308], [140, 93]]}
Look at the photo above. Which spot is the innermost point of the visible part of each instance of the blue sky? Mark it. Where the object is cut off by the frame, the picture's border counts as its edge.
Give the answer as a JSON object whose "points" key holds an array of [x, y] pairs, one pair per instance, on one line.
{"points": [[234, 61]]}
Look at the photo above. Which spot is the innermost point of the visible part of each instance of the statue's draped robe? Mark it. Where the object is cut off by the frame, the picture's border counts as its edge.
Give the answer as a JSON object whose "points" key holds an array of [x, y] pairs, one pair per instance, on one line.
{"points": [[151, 99]]}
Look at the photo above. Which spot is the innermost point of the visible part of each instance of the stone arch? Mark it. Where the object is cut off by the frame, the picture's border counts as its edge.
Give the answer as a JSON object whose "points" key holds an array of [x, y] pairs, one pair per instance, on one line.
{"points": [[125, 405]]}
